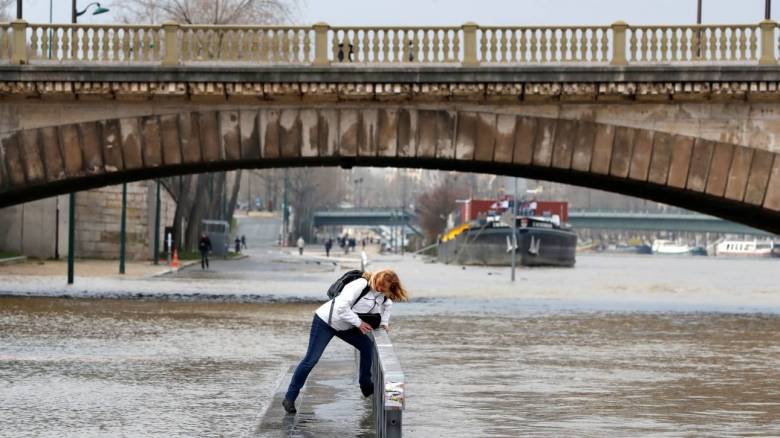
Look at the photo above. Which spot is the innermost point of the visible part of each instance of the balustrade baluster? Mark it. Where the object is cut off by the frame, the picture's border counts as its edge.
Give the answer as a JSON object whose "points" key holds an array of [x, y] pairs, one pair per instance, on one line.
{"points": [[54, 41], [522, 46], [82, 44], [425, 46], [493, 46], [728, 44], [67, 46], [753, 44], [335, 45], [397, 49], [533, 55], [456, 46], [544, 42], [588, 50], [604, 45], [633, 47], [712, 46], [435, 46], [743, 56], [91, 44], [446, 46], [308, 38], [663, 44], [104, 44], [377, 42], [414, 55], [483, 46], [563, 44], [34, 42], [365, 43], [292, 46], [511, 39]]}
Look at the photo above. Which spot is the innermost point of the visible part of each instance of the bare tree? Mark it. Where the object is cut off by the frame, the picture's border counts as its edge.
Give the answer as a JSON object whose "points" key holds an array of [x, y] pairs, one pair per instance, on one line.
{"points": [[211, 11], [6, 12], [312, 190], [434, 205]]}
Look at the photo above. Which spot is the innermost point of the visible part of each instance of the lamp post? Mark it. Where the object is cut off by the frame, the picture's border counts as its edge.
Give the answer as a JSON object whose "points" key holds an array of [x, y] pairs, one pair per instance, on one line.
{"points": [[514, 232], [285, 208], [18, 9], [72, 196], [75, 13], [767, 9], [157, 226], [123, 230]]}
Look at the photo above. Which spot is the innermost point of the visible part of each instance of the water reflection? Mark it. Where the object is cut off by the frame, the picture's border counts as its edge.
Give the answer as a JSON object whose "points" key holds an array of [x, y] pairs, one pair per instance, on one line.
{"points": [[134, 368]]}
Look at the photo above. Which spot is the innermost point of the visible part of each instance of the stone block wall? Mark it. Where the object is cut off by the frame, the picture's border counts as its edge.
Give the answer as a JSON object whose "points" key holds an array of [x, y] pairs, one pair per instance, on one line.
{"points": [[98, 216], [32, 228]]}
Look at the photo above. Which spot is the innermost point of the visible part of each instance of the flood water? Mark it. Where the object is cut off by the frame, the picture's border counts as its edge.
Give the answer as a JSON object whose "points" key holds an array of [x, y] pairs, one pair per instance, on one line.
{"points": [[474, 367]]}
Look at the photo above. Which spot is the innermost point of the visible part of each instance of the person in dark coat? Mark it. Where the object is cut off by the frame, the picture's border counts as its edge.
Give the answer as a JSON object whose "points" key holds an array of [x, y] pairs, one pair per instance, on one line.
{"points": [[238, 244], [204, 246], [328, 246]]}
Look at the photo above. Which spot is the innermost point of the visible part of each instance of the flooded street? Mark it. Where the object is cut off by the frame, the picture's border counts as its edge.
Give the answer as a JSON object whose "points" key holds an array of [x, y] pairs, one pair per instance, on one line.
{"points": [[530, 365]]}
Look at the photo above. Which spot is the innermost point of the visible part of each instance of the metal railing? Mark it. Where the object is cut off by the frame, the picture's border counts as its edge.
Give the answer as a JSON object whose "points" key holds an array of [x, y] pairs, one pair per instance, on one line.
{"points": [[389, 401], [468, 45]]}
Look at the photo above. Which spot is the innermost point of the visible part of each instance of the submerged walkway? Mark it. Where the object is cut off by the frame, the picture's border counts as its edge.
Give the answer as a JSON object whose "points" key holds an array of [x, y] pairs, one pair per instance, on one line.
{"points": [[330, 404]]}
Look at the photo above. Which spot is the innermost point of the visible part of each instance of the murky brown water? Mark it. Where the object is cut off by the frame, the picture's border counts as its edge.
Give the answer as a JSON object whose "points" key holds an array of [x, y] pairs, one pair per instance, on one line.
{"points": [[474, 368]]}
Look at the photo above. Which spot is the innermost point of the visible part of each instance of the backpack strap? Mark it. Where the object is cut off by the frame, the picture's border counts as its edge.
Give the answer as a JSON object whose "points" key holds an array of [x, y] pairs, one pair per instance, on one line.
{"points": [[333, 302]]}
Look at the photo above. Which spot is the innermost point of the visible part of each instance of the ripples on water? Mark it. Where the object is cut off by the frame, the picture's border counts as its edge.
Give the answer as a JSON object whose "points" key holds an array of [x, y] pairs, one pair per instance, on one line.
{"points": [[108, 368]]}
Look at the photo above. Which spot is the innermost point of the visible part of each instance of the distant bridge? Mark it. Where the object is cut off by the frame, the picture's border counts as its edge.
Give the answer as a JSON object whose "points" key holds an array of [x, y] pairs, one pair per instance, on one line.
{"points": [[595, 220], [691, 222], [363, 217]]}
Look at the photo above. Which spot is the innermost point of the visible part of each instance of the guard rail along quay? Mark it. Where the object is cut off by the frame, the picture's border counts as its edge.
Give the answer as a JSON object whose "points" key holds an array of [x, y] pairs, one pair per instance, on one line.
{"points": [[388, 403], [469, 45]]}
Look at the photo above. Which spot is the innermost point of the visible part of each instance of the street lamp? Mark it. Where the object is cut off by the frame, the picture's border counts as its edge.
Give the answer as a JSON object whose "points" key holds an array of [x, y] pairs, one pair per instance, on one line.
{"points": [[75, 14]]}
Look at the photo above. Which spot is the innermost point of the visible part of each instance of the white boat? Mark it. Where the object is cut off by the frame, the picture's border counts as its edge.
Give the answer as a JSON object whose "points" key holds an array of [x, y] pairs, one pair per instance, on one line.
{"points": [[661, 246], [749, 248]]}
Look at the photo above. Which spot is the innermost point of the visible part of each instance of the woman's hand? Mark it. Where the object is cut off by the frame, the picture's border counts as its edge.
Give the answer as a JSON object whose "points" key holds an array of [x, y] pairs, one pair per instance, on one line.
{"points": [[386, 327], [365, 328]]}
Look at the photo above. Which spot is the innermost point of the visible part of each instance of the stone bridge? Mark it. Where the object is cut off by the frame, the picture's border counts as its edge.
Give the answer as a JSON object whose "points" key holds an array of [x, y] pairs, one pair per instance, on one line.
{"points": [[686, 115]]}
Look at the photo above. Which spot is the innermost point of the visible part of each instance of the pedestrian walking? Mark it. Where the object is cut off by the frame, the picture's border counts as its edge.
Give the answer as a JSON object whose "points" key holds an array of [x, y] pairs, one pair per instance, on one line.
{"points": [[204, 246], [243, 241], [237, 243], [301, 243], [328, 246], [352, 244], [363, 305]]}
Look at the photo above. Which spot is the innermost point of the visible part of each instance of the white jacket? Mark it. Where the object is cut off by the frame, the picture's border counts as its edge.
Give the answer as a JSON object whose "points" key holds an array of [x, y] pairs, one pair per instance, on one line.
{"points": [[345, 315]]}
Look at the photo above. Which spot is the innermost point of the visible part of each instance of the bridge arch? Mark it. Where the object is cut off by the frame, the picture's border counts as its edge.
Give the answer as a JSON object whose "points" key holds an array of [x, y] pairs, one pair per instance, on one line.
{"points": [[732, 181]]}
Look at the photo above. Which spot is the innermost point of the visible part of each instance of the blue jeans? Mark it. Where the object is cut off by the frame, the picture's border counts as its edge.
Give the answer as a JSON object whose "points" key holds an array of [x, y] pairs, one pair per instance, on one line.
{"points": [[321, 334]]}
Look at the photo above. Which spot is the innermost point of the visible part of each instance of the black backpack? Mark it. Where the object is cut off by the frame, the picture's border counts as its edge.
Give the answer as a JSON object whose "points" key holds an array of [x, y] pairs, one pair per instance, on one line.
{"points": [[335, 289]]}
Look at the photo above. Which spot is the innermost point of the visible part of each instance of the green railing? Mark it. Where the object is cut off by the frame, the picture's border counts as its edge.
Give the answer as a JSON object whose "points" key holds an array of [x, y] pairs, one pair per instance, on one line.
{"points": [[469, 45]]}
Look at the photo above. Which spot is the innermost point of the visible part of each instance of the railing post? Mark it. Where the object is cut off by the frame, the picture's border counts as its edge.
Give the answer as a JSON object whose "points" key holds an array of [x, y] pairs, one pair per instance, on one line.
{"points": [[619, 35], [768, 56], [321, 43], [171, 33], [19, 44], [470, 45]]}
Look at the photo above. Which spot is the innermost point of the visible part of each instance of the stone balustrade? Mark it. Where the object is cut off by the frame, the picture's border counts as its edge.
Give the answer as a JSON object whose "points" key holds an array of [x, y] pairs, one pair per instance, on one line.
{"points": [[469, 45]]}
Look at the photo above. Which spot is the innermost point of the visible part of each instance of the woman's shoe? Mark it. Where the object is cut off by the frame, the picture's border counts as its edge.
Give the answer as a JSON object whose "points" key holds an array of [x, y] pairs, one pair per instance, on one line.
{"points": [[367, 390], [289, 406]]}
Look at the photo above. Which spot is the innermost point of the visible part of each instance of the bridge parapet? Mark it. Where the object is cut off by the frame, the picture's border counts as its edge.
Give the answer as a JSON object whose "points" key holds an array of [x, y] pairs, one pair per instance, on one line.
{"points": [[468, 45]]}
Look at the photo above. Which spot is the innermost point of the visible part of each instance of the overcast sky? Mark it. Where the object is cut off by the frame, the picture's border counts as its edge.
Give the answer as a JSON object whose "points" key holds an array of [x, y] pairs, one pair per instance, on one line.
{"points": [[501, 12]]}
